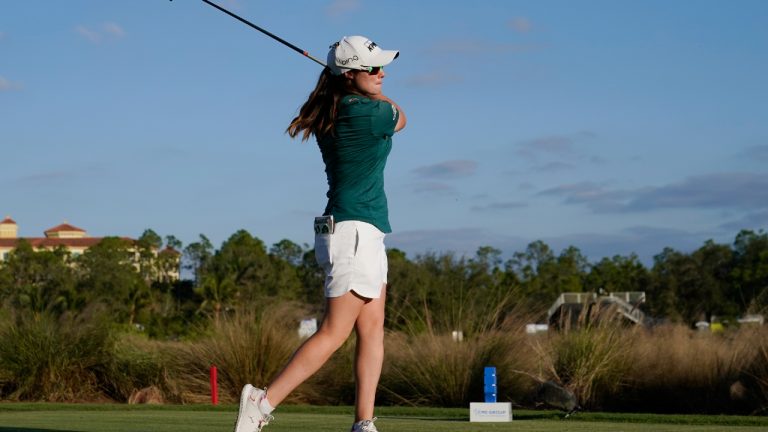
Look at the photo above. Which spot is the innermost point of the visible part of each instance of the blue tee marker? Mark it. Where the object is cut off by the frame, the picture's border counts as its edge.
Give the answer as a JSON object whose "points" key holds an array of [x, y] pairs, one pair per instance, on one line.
{"points": [[489, 386], [490, 410]]}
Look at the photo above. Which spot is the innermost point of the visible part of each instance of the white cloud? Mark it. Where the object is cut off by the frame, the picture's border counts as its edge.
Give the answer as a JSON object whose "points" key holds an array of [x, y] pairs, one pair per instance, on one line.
{"points": [[557, 153], [107, 30], [7, 85], [726, 191], [88, 34], [560, 145], [555, 166], [434, 188], [754, 221], [461, 241], [499, 206], [341, 7], [645, 241], [448, 169], [756, 153], [553, 144], [520, 24], [594, 196], [113, 29], [59, 178], [718, 190]]}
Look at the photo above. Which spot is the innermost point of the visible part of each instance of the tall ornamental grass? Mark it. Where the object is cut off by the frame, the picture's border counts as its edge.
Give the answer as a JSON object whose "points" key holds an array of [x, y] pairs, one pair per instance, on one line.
{"points": [[751, 390], [138, 365], [248, 347], [677, 369], [759, 373], [591, 361], [429, 368], [70, 359], [48, 359], [608, 365], [435, 370]]}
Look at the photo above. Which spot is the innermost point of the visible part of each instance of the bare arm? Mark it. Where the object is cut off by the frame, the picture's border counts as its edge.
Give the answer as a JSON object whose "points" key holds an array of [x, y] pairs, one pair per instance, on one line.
{"points": [[401, 120]]}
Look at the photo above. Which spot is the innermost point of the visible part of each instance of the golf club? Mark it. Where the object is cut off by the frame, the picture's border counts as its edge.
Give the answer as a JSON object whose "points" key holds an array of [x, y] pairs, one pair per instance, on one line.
{"points": [[277, 38]]}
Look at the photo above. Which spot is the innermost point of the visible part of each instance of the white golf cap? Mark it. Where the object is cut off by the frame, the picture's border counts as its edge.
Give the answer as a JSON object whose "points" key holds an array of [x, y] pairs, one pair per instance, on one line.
{"points": [[358, 53]]}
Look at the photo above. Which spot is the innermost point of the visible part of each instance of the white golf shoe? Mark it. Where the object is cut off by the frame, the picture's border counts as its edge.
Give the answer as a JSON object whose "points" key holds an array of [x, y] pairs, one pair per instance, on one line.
{"points": [[250, 418], [365, 426]]}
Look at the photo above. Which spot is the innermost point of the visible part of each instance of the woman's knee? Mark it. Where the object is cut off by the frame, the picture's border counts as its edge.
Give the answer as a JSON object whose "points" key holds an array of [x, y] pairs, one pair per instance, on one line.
{"points": [[370, 325], [335, 336]]}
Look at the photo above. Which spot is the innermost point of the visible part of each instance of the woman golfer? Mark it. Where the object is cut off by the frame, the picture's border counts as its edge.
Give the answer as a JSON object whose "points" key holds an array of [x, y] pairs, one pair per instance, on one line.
{"points": [[353, 123]]}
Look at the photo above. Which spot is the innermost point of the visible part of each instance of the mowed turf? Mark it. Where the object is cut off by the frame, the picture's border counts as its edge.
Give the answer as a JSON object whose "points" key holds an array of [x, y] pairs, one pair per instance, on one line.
{"points": [[123, 418]]}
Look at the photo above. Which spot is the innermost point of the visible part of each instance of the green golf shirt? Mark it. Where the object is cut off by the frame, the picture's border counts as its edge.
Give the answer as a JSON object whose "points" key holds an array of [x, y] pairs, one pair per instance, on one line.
{"points": [[355, 159]]}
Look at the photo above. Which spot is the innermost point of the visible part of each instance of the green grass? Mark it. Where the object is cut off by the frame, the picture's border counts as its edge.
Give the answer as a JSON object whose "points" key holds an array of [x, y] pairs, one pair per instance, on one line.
{"points": [[41, 417]]}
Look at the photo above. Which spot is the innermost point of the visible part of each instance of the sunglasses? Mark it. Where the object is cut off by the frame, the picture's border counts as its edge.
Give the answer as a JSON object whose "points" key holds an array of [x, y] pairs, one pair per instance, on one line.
{"points": [[373, 70]]}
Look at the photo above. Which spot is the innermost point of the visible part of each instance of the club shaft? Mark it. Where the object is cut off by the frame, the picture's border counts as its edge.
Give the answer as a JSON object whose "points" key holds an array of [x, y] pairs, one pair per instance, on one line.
{"points": [[275, 37]]}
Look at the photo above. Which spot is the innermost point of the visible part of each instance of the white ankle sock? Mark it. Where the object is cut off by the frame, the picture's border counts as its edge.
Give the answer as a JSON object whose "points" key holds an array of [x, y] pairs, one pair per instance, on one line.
{"points": [[264, 406]]}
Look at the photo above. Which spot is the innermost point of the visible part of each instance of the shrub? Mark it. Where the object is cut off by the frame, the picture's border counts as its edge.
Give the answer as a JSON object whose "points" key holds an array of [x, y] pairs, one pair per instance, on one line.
{"points": [[137, 364], [590, 361], [49, 359]]}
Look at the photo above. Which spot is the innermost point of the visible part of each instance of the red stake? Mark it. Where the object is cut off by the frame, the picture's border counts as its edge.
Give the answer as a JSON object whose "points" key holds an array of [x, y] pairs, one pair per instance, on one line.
{"points": [[214, 386]]}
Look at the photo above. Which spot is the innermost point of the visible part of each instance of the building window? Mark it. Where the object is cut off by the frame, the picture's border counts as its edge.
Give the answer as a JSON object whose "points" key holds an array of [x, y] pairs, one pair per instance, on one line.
{"points": [[3, 256]]}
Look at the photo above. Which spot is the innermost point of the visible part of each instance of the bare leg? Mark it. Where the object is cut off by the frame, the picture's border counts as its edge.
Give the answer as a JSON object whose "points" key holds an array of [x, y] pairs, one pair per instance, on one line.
{"points": [[340, 316], [369, 355]]}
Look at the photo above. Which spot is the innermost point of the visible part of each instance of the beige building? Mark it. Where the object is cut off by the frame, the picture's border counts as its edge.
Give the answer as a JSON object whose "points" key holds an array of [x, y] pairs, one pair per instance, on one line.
{"points": [[73, 239]]}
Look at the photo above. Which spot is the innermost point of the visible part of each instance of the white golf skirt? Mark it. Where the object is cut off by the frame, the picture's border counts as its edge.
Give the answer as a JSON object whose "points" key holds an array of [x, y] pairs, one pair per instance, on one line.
{"points": [[353, 258]]}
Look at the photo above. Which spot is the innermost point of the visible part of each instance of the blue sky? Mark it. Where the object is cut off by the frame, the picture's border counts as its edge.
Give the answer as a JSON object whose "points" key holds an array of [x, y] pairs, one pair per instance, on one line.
{"points": [[614, 126]]}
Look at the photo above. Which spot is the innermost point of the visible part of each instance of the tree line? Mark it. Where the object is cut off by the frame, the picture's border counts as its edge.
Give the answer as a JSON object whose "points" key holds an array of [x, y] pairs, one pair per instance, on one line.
{"points": [[133, 284]]}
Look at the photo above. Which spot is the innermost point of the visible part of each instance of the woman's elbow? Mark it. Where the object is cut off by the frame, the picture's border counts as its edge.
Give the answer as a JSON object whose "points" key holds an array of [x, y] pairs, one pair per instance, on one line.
{"points": [[401, 122]]}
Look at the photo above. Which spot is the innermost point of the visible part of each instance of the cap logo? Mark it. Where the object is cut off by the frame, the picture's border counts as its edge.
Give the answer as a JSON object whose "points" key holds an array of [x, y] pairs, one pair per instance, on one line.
{"points": [[370, 45], [347, 60]]}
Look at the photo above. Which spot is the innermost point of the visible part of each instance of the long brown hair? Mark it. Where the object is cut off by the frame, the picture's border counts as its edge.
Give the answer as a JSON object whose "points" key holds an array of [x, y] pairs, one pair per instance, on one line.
{"points": [[318, 114]]}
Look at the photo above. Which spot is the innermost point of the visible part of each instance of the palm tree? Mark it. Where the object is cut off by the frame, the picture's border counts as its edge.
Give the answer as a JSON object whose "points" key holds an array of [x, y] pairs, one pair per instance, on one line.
{"points": [[217, 291]]}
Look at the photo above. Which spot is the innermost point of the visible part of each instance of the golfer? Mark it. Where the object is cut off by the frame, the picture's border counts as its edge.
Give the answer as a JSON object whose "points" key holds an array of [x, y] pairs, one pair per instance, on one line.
{"points": [[353, 122]]}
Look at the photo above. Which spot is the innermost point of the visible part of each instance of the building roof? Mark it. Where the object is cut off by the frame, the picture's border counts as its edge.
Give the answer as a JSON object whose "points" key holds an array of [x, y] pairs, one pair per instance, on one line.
{"points": [[8, 220], [45, 242], [63, 227], [170, 250]]}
